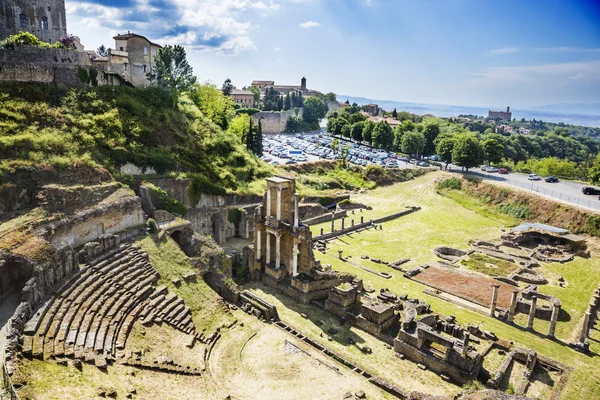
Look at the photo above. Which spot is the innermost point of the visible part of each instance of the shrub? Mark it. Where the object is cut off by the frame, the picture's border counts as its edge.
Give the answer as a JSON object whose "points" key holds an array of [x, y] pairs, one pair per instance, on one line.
{"points": [[450, 183], [151, 225], [163, 201]]}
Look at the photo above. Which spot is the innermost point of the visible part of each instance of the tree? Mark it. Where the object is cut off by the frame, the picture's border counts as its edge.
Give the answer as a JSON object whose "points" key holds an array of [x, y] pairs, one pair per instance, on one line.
{"points": [[394, 113], [314, 110], [444, 149], [258, 140], [367, 134], [172, 70], [383, 137], [239, 126], [287, 104], [101, 51], [413, 143], [594, 171], [227, 87], [250, 137], [300, 100], [256, 92], [330, 96], [213, 104], [467, 152], [270, 100], [431, 132], [280, 103], [493, 150], [356, 130]]}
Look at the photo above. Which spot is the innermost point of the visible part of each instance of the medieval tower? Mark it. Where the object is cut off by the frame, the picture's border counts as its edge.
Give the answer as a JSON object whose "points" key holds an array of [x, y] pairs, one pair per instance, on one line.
{"points": [[45, 19]]}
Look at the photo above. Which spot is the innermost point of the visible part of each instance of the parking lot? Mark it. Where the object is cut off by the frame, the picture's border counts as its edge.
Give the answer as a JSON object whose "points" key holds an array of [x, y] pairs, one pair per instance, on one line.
{"points": [[299, 148]]}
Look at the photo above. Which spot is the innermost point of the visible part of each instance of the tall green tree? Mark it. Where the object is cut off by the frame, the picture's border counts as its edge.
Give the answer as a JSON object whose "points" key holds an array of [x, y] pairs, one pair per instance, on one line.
{"points": [[444, 149], [256, 92], [287, 104], [431, 132], [227, 87], [172, 70], [383, 137], [367, 133], [356, 130], [394, 113], [271, 99], [213, 104], [330, 96], [493, 150], [314, 110], [594, 171], [413, 143], [280, 103], [258, 140], [467, 151], [250, 137]]}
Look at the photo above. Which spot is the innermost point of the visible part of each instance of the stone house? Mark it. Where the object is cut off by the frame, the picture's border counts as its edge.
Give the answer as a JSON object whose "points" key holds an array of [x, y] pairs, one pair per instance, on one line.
{"points": [[244, 98], [129, 62], [46, 19], [285, 89]]}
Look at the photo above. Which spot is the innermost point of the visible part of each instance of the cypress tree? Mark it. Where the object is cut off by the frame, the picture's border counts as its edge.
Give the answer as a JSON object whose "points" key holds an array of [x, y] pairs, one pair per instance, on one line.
{"points": [[300, 100], [293, 100], [280, 103], [287, 103], [258, 147], [250, 137]]}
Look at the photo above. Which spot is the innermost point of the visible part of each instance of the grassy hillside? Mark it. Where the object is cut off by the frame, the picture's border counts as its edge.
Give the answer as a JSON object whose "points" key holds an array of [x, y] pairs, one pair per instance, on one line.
{"points": [[60, 127]]}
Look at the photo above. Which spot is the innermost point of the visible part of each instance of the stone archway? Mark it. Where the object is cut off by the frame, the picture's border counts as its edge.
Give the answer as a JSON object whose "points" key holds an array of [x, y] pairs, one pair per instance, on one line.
{"points": [[177, 236]]}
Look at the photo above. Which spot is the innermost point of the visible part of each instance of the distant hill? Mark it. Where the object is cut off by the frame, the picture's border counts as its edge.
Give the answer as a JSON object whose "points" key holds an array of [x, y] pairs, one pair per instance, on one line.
{"points": [[585, 114]]}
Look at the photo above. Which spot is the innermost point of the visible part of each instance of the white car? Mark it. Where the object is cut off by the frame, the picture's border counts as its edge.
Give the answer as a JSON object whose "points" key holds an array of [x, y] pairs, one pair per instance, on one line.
{"points": [[533, 177], [492, 169]]}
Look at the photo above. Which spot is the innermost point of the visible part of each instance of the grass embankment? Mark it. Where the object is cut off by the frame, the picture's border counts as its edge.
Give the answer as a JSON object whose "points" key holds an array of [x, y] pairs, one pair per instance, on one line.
{"points": [[444, 221], [106, 126], [208, 310], [321, 178]]}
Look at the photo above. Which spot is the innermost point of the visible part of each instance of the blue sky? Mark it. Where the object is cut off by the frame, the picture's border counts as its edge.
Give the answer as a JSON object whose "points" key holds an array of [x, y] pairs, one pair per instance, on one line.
{"points": [[460, 52]]}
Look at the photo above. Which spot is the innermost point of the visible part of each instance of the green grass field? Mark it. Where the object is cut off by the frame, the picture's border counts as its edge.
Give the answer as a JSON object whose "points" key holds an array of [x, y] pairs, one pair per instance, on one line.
{"points": [[455, 220]]}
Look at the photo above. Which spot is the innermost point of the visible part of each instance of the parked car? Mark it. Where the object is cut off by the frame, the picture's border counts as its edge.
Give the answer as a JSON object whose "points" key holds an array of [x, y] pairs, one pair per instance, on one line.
{"points": [[551, 179], [274, 162], [533, 177], [492, 169], [484, 167], [423, 164], [590, 190], [504, 171], [288, 162]]}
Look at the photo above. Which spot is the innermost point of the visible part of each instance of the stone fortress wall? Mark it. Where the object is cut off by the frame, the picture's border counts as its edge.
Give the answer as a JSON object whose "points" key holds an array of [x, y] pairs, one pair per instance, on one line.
{"points": [[42, 65], [274, 122]]}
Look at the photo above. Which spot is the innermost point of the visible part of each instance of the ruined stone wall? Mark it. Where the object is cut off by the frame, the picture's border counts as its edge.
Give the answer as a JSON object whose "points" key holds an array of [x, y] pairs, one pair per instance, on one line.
{"points": [[42, 65], [274, 122], [90, 224]]}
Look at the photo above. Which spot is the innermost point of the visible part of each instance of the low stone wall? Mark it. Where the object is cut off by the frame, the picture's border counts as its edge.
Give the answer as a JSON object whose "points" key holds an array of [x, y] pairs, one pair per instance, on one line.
{"points": [[325, 218]]}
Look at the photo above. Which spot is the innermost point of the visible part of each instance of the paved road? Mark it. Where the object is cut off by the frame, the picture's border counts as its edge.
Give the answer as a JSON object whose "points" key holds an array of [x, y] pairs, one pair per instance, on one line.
{"points": [[569, 192]]}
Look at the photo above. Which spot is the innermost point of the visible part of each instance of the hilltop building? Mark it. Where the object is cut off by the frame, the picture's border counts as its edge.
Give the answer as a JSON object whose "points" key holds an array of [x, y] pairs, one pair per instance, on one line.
{"points": [[503, 115], [285, 89], [129, 62], [242, 97], [46, 19]]}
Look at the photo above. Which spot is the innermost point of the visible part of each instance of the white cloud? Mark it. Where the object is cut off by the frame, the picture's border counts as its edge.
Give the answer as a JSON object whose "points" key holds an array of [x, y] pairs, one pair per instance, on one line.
{"points": [[504, 50], [276, 49], [309, 24]]}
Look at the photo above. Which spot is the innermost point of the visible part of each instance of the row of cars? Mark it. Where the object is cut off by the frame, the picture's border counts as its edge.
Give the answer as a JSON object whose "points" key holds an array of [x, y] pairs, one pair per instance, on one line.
{"points": [[322, 146], [490, 169], [536, 177]]}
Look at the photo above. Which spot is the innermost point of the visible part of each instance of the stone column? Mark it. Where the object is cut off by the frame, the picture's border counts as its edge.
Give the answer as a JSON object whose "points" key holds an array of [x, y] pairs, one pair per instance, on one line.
{"points": [[277, 250], [268, 248], [362, 219], [278, 204], [268, 202], [340, 254], [553, 319], [494, 300], [258, 245], [333, 221], [513, 306], [352, 222], [584, 328], [321, 231], [295, 258], [296, 212], [465, 347], [532, 313], [343, 223]]}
